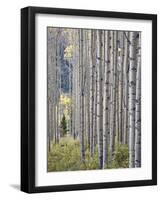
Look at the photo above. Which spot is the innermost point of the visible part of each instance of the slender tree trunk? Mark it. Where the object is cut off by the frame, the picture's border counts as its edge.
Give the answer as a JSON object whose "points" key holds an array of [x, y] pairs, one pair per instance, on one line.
{"points": [[94, 53], [82, 98], [138, 108], [91, 96], [113, 64], [52, 94], [99, 99], [95, 110], [105, 102], [77, 108], [132, 97], [116, 106], [120, 65], [87, 64], [126, 88]]}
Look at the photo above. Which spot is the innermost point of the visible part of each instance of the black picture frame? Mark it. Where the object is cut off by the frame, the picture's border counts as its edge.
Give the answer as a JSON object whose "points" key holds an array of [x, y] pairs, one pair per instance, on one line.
{"points": [[28, 98]]}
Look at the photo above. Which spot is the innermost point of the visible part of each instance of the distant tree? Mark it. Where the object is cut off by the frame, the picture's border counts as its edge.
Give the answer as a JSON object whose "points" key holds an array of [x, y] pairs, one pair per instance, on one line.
{"points": [[64, 125]]}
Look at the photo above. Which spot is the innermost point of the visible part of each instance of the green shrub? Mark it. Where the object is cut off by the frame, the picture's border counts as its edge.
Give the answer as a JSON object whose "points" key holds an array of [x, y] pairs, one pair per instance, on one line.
{"points": [[121, 157], [65, 156]]}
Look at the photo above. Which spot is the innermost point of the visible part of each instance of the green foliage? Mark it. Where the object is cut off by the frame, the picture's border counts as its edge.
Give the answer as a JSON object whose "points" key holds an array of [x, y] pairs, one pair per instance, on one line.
{"points": [[90, 162], [121, 157], [63, 125], [65, 156]]}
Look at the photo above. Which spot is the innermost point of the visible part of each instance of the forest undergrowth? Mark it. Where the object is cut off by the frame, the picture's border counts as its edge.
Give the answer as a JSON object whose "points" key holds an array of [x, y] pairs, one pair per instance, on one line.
{"points": [[65, 156]]}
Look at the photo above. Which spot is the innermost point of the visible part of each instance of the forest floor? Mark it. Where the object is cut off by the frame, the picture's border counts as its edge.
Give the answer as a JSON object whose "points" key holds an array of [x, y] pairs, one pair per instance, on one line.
{"points": [[65, 156]]}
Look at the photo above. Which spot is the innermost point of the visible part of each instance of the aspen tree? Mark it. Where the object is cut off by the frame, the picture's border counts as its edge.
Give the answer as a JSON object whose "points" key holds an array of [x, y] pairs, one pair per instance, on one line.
{"points": [[132, 96], [99, 98], [138, 107]]}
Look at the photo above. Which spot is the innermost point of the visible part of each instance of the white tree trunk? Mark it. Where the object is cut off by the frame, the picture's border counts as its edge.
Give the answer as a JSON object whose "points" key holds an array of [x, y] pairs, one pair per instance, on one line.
{"points": [[105, 101], [99, 99], [92, 66], [113, 64], [126, 88], [82, 98], [138, 108], [132, 97], [120, 85]]}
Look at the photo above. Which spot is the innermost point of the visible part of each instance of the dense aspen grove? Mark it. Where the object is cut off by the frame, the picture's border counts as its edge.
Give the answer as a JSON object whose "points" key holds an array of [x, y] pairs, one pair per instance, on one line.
{"points": [[94, 99]]}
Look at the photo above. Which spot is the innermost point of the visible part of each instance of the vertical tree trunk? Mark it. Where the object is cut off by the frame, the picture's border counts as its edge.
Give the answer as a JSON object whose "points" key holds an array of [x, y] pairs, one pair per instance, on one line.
{"points": [[95, 129], [94, 54], [120, 96], [99, 98], [51, 71], [138, 108], [126, 88], [92, 92], [117, 87], [87, 64], [113, 64], [91, 96], [132, 97], [81, 98], [49, 128], [105, 101], [77, 95]]}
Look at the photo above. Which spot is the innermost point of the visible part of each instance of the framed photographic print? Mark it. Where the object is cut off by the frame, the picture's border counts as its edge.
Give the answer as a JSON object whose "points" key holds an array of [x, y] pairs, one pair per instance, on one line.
{"points": [[88, 99]]}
